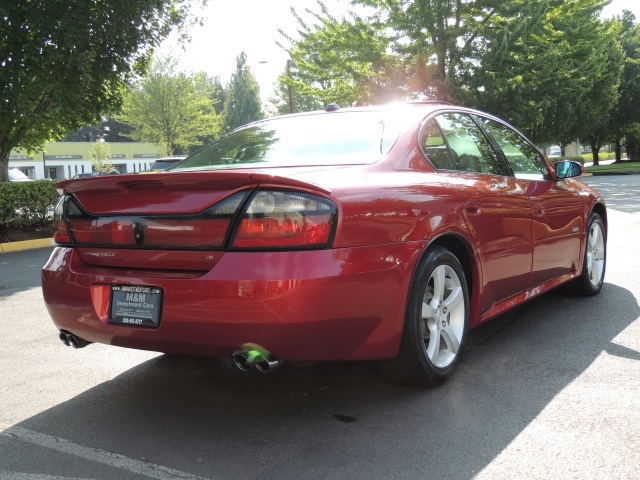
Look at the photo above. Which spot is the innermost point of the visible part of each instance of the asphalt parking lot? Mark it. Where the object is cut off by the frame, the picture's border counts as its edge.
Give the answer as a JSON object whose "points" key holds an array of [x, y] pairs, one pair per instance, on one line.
{"points": [[549, 390]]}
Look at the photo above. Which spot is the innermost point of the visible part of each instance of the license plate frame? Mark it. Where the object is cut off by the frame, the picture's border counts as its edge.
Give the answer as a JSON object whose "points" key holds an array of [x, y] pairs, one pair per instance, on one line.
{"points": [[135, 305]]}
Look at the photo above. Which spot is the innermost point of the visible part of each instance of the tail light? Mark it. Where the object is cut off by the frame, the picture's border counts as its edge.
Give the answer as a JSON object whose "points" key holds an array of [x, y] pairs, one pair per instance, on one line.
{"points": [[268, 220], [61, 235], [284, 220]]}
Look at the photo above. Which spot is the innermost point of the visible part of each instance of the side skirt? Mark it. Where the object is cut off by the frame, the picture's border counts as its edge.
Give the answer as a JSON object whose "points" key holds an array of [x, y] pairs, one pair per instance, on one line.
{"points": [[525, 296]]}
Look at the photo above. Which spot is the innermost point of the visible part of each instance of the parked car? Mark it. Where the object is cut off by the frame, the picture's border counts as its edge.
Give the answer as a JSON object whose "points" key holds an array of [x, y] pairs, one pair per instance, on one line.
{"points": [[16, 175], [164, 163], [95, 174], [554, 151], [356, 234]]}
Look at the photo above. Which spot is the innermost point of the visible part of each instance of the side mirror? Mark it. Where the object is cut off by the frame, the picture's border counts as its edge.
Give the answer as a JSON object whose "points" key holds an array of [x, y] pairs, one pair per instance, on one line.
{"points": [[568, 169]]}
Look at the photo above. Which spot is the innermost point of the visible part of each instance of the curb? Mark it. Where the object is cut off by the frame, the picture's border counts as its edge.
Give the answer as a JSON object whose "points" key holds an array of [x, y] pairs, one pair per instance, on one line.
{"points": [[26, 245], [610, 174]]}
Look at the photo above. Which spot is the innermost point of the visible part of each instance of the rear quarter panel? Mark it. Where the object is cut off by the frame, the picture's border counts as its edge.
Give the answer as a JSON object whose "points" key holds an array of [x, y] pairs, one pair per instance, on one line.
{"points": [[397, 207]]}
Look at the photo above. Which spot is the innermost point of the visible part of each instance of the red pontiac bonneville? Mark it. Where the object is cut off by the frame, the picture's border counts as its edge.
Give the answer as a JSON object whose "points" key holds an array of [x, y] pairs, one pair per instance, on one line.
{"points": [[366, 233]]}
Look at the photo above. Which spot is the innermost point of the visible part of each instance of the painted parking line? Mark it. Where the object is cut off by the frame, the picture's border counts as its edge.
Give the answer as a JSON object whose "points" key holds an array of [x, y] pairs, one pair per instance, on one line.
{"points": [[97, 455], [34, 476]]}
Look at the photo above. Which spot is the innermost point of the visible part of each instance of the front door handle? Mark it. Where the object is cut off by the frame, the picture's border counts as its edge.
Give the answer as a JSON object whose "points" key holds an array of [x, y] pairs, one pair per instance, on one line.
{"points": [[538, 210], [473, 208]]}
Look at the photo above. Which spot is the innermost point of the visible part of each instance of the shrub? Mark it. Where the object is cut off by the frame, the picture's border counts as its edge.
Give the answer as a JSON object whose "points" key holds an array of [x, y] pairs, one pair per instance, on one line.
{"points": [[588, 157], [25, 204]]}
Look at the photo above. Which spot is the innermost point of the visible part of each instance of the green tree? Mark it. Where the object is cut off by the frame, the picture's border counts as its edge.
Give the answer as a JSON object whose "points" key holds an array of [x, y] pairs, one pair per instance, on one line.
{"points": [[242, 104], [411, 49], [438, 40], [597, 108], [540, 69], [212, 88], [168, 107], [633, 142], [84, 134], [109, 129], [338, 61], [626, 114], [64, 64], [114, 130], [101, 156]]}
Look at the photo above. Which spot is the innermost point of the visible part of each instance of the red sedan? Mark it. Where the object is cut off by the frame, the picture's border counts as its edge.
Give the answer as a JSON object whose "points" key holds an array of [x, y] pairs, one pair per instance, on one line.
{"points": [[354, 234]]}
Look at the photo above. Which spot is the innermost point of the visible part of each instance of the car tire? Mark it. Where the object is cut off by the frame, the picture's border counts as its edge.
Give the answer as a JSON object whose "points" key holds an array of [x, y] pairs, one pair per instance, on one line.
{"points": [[594, 263], [436, 322]]}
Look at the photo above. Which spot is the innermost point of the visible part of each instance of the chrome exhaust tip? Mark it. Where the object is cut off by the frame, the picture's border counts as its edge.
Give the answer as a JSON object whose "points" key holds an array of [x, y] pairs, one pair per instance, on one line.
{"points": [[63, 338], [73, 341], [248, 357], [267, 363], [70, 340], [243, 359]]}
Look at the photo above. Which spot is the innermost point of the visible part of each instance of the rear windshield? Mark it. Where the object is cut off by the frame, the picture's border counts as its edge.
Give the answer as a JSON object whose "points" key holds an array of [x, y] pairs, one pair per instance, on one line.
{"points": [[322, 139]]}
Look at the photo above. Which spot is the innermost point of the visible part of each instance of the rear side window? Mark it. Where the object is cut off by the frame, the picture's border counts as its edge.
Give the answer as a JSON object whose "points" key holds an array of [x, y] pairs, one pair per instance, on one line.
{"points": [[525, 161], [434, 147], [470, 148]]}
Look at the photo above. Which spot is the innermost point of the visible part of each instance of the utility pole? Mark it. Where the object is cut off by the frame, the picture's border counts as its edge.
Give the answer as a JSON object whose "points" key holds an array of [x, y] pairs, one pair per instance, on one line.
{"points": [[289, 88]]}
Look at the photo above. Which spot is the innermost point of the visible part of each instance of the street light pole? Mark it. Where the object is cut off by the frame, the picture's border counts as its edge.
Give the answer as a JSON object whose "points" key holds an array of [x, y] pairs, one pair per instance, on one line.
{"points": [[289, 88]]}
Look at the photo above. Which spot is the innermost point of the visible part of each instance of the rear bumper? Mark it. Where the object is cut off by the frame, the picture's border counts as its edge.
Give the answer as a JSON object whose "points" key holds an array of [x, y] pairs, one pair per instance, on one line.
{"points": [[343, 304]]}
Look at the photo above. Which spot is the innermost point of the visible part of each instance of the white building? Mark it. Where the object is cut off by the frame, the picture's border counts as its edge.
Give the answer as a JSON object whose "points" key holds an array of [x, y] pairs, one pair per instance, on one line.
{"points": [[62, 160]]}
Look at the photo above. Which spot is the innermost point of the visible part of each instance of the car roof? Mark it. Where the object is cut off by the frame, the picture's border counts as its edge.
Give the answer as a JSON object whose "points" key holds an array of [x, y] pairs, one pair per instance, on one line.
{"points": [[412, 111], [424, 106]]}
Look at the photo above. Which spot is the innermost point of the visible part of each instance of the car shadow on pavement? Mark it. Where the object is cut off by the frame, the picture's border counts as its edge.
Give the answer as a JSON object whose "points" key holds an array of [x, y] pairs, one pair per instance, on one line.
{"points": [[620, 191], [345, 420]]}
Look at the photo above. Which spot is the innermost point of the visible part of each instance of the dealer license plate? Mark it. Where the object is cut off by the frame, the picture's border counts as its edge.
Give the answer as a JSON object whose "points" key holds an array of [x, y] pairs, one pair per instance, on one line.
{"points": [[134, 305]]}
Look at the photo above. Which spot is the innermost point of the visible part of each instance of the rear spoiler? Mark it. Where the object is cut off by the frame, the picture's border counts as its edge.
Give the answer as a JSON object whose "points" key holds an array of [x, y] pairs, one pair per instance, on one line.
{"points": [[180, 181]]}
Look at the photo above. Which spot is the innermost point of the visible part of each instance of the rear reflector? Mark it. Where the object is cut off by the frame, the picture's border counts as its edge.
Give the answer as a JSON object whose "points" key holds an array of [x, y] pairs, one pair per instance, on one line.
{"points": [[197, 233]]}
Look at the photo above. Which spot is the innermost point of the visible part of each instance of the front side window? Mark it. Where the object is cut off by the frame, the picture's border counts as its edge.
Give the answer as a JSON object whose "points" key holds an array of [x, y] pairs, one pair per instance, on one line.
{"points": [[525, 161], [470, 149]]}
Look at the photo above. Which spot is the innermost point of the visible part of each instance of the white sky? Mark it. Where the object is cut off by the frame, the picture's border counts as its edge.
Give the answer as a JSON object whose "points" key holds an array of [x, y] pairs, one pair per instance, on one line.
{"points": [[252, 26], [231, 27]]}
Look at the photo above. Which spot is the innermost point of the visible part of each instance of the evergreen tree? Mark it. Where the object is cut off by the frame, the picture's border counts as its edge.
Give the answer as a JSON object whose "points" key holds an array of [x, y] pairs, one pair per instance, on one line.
{"points": [[242, 104]]}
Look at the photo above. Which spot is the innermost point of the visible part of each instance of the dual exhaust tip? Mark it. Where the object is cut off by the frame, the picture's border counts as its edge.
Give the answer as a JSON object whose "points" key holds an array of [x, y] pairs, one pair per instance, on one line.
{"points": [[244, 359], [70, 340], [263, 361]]}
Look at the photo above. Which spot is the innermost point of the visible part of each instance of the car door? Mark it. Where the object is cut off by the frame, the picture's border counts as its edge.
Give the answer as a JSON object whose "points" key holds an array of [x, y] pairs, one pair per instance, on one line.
{"points": [[556, 208], [494, 205]]}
